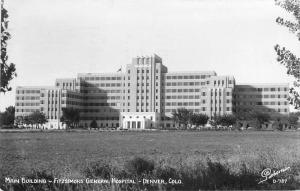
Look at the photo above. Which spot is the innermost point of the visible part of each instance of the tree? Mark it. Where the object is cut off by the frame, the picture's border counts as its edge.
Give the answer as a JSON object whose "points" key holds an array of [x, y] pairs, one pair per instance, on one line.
{"points": [[226, 120], [259, 118], [293, 119], [94, 124], [38, 118], [244, 115], [27, 120], [8, 116], [199, 119], [7, 71], [19, 121], [70, 117], [213, 122], [286, 57], [253, 116], [182, 116]]}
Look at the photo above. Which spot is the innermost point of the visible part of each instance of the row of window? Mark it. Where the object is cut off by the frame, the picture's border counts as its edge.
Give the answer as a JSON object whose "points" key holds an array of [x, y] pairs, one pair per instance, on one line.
{"points": [[28, 104], [50, 109], [90, 78], [186, 83], [72, 96], [100, 91], [263, 110], [203, 109], [102, 85], [262, 103], [28, 91], [192, 103], [143, 77], [99, 118], [261, 96], [143, 110], [103, 97], [195, 90], [184, 96], [261, 89], [180, 90], [50, 94], [90, 104], [143, 71], [52, 117], [188, 77], [27, 110], [106, 110], [27, 97], [66, 84]]}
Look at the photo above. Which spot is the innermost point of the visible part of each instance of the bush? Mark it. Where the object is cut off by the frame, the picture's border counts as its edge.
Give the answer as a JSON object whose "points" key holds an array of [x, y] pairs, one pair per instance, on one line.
{"points": [[139, 166], [98, 169], [94, 124]]}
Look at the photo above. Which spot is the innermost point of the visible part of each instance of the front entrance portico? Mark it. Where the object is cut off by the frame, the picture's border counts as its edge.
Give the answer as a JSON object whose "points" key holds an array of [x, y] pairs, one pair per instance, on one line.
{"points": [[139, 120]]}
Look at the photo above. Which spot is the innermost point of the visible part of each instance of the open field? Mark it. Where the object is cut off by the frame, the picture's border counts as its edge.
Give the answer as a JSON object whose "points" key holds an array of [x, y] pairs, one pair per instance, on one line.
{"points": [[67, 154]]}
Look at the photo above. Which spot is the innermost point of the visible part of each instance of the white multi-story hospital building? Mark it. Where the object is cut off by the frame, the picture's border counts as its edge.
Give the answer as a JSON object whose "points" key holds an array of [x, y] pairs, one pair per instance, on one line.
{"points": [[145, 94]]}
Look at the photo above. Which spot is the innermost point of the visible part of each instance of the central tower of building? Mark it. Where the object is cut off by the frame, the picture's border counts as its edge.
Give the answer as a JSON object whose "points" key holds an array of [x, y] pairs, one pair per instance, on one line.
{"points": [[142, 84]]}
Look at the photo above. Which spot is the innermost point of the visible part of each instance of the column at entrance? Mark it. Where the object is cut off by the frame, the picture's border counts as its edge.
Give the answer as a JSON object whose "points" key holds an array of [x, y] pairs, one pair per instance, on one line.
{"points": [[143, 124], [139, 124], [133, 124], [128, 125]]}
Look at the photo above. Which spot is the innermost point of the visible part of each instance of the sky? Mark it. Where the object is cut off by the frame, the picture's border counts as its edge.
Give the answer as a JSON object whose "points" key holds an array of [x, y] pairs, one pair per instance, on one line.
{"points": [[60, 38]]}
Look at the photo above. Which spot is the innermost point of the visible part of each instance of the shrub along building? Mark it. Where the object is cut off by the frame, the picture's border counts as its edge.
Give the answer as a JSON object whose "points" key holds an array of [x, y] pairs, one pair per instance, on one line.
{"points": [[145, 94]]}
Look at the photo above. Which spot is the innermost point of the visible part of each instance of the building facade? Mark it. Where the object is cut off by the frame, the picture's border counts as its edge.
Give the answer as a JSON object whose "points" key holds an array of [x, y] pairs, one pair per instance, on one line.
{"points": [[145, 94]]}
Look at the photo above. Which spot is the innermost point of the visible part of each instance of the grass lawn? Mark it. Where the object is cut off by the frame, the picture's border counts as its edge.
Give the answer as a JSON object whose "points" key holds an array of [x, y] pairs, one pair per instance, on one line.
{"points": [[66, 153]]}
